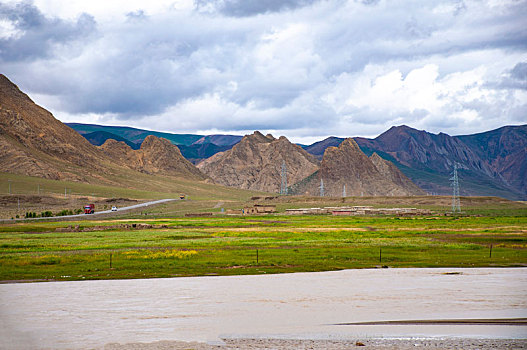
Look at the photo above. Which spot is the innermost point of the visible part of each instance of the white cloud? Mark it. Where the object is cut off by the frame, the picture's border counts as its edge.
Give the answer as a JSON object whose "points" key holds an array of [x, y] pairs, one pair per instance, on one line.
{"points": [[300, 68]]}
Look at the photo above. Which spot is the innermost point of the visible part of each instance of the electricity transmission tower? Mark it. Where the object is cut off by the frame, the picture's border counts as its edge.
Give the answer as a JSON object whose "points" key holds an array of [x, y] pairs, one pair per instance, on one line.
{"points": [[456, 207], [321, 188], [344, 190], [283, 185]]}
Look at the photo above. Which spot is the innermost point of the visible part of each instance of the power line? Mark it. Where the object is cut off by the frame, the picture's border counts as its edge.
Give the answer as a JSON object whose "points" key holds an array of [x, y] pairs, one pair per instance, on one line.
{"points": [[283, 174], [456, 205]]}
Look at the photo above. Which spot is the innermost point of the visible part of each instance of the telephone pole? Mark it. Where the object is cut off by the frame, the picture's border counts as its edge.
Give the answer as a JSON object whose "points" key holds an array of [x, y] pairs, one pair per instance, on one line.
{"points": [[321, 188]]}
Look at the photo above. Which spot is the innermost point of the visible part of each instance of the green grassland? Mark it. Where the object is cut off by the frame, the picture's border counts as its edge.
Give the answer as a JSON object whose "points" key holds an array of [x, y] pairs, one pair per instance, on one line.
{"points": [[227, 245]]}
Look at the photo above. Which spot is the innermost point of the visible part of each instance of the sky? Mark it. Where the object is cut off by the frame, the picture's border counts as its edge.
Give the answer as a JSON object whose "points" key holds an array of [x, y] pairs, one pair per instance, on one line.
{"points": [[306, 69]]}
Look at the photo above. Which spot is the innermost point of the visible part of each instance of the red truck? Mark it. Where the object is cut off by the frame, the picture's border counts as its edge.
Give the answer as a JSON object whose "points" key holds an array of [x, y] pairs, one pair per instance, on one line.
{"points": [[89, 209]]}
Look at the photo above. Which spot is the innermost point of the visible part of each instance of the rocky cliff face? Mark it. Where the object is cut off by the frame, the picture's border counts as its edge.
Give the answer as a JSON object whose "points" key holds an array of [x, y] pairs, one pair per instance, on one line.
{"points": [[255, 163], [348, 166], [156, 156]]}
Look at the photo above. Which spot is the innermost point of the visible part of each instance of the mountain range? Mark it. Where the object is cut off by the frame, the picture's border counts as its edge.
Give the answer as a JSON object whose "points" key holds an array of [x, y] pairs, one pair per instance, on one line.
{"points": [[490, 163], [33, 142]]}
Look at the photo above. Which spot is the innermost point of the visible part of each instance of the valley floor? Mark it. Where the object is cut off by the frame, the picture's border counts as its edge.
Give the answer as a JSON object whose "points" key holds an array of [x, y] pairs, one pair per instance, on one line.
{"points": [[232, 245]]}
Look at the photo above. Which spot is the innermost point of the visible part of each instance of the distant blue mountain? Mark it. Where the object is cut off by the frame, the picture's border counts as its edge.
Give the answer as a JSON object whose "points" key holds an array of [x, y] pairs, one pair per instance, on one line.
{"points": [[193, 147], [97, 138]]}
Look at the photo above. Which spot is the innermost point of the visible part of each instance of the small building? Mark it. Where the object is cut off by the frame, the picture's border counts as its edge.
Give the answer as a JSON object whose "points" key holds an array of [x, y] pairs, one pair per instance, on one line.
{"points": [[259, 209], [234, 212], [342, 212]]}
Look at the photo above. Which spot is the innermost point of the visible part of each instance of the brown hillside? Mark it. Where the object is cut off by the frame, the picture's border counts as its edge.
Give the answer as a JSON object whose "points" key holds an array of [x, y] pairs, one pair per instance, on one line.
{"points": [[392, 173], [348, 166], [33, 142], [255, 163], [156, 156]]}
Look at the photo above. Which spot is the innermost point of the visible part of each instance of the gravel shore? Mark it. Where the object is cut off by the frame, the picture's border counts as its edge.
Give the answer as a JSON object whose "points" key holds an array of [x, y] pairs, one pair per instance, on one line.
{"points": [[369, 343]]}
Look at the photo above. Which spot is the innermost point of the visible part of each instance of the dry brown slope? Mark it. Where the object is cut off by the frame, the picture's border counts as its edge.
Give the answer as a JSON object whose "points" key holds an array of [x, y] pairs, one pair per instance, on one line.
{"points": [[392, 173], [348, 166], [255, 163], [33, 142], [156, 156]]}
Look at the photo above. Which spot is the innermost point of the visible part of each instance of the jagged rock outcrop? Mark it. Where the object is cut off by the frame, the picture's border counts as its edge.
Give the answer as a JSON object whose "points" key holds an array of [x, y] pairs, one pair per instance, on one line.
{"points": [[156, 156], [255, 163], [348, 166]]}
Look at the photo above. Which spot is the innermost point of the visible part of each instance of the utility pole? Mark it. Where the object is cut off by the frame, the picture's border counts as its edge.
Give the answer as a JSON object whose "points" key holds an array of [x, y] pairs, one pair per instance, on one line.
{"points": [[321, 188], [456, 206], [344, 190], [283, 174]]}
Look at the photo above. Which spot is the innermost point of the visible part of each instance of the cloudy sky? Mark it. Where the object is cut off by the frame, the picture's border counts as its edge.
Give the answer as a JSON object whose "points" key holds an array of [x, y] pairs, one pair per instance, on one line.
{"points": [[305, 69]]}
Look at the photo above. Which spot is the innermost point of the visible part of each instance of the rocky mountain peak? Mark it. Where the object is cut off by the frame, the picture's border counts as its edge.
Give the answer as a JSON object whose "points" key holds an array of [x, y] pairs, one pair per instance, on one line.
{"points": [[255, 163], [258, 137], [347, 166], [156, 156]]}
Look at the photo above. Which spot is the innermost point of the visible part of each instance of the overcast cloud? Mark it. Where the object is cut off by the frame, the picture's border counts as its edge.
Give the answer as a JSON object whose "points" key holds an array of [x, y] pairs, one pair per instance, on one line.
{"points": [[305, 69]]}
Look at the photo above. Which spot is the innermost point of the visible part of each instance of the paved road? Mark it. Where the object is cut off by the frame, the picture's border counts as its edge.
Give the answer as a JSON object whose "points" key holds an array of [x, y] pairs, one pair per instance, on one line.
{"points": [[135, 206]]}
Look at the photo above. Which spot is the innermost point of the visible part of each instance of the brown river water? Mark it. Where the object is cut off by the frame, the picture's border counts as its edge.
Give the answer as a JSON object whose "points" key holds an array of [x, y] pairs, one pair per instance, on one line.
{"points": [[89, 314]]}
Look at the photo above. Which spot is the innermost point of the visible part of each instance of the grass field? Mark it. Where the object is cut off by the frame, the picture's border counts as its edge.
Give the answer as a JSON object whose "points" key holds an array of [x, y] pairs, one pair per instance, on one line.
{"points": [[222, 245]]}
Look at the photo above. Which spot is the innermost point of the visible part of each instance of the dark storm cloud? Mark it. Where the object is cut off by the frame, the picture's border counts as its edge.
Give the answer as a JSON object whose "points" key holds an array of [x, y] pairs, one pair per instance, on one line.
{"points": [[244, 8], [36, 35]]}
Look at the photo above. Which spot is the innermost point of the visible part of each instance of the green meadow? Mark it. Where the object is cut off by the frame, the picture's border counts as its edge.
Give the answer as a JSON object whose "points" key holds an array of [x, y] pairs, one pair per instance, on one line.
{"points": [[228, 245]]}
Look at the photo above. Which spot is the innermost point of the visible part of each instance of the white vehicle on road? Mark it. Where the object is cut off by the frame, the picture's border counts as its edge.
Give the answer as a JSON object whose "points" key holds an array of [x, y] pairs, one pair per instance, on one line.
{"points": [[114, 208]]}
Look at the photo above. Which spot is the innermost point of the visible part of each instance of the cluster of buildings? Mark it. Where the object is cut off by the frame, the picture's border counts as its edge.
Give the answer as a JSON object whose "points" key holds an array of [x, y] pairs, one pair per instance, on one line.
{"points": [[358, 210], [259, 209], [254, 210]]}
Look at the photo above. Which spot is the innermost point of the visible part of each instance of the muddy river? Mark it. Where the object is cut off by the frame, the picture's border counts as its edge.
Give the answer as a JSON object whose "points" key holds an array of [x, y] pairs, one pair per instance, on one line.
{"points": [[302, 305]]}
